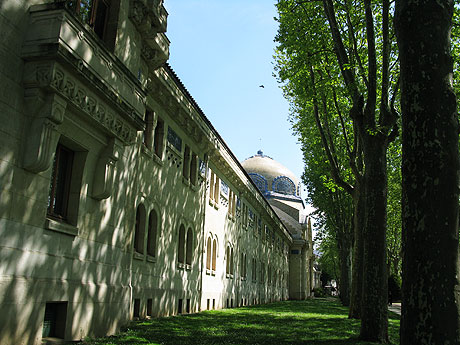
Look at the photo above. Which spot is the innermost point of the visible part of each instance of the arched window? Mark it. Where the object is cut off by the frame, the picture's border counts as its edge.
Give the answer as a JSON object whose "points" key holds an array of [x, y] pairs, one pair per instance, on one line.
{"points": [[181, 245], [152, 233], [243, 265], [231, 261], [208, 254], [214, 254], [260, 181], [227, 255], [139, 229], [189, 247], [284, 185], [269, 274]]}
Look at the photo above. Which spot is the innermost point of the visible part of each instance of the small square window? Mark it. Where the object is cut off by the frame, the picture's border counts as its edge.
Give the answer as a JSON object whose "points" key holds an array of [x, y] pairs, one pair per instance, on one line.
{"points": [[55, 320]]}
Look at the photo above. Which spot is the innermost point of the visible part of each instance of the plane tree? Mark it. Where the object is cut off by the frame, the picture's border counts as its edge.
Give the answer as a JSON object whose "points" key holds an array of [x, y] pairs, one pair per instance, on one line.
{"points": [[334, 207], [430, 171], [339, 58]]}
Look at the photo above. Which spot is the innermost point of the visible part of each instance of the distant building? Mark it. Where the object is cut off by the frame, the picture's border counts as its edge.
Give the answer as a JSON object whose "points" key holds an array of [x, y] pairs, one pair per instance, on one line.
{"points": [[282, 190], [119, 200]]}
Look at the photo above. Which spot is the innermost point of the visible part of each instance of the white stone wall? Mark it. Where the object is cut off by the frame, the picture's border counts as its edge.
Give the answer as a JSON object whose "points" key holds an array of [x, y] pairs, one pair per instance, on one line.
{"points": [[89, 261]]}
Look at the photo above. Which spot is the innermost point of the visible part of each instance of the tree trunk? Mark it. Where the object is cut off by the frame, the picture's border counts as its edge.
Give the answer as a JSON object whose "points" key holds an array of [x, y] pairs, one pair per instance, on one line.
{"points": [[345, 271], [430, 313], [374, 309], [358, 249]]}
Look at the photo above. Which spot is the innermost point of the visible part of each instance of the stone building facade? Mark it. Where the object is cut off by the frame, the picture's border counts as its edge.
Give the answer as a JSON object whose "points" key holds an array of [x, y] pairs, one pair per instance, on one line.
{"points": [[119, 200]]}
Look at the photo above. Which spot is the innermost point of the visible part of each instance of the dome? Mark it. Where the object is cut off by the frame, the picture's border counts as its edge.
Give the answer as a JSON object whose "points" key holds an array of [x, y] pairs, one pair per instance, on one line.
{"points": [[270, 175]]}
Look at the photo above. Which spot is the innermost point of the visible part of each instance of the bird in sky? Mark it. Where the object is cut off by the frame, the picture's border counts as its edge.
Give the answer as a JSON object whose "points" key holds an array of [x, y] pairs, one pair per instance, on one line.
{"points": [[262, 86]]}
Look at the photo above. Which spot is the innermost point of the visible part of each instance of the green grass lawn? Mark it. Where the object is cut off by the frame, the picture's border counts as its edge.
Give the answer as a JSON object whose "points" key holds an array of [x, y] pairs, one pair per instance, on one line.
{"points": [[315, 322]]}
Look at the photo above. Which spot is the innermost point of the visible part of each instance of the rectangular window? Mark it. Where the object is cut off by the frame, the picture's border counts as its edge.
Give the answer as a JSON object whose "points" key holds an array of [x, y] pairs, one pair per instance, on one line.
{"points": [[231, 203], [211, 185], [95, 13], [148, 131], [207, 304], [137, 308], [216, 189], [187, 308], [99, 17], [158, 138], [179, 306], [186, 163], [193, 169], [60, 183], [149, 307]]}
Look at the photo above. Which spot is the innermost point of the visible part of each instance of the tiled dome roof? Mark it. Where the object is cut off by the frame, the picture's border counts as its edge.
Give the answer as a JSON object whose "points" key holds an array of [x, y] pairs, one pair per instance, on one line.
{"points": [[270, 175]]}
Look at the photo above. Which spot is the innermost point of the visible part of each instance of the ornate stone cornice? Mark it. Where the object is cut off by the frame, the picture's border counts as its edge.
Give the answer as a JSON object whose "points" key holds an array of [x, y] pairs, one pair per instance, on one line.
{"points": [[52, 78]]}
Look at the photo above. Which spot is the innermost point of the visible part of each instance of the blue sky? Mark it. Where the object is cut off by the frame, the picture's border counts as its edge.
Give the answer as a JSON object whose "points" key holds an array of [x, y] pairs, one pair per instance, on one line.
{"points": [[222, 50]]}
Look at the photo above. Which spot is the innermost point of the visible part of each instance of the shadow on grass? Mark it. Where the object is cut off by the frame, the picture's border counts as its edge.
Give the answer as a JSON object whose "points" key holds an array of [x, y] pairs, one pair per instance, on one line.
{"points": [[315, 322]]}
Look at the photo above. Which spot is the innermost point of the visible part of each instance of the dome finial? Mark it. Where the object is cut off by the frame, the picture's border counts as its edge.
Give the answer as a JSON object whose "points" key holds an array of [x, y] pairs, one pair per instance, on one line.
{"points": [[260, 153]]}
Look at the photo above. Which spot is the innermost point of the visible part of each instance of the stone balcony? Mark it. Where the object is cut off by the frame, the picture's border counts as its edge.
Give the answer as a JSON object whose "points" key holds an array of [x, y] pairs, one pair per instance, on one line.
{"points": [[59, 42]]}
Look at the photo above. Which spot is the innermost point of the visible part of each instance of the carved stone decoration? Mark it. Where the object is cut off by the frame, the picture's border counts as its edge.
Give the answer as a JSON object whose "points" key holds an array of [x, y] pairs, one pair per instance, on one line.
{"points": [[46, 113], [151, 16], [105, 170], [150, 20], [52, 79]]}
